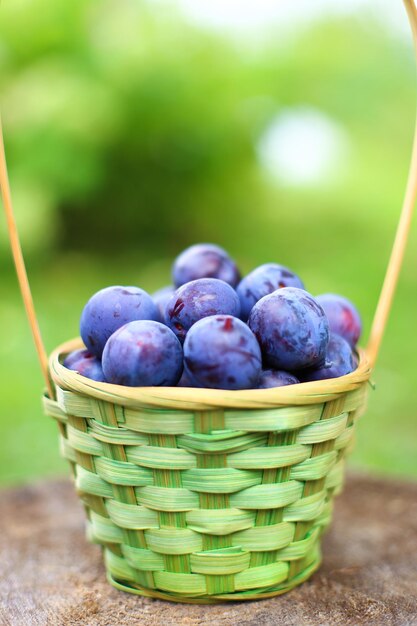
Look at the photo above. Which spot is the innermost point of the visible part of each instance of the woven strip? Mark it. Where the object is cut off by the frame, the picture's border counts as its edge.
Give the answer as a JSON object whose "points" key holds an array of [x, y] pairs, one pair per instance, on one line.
{"points": [[225, 502]]}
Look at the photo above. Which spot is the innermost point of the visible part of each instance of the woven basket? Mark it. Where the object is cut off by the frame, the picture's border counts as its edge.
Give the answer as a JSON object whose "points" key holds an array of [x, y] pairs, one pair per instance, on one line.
{"points": [[200, 495]]}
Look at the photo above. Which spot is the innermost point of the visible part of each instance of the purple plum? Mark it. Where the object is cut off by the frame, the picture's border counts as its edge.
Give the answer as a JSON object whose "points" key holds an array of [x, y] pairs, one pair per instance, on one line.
{"points": [[86, 364], [161, 298], [109, 309], [262, 281], [76, 355], [344, 319], [197, 299], [221, 352], [141, 354], [292, 329], [339, 361], [185, 380], [204, 260], [276, 378]]}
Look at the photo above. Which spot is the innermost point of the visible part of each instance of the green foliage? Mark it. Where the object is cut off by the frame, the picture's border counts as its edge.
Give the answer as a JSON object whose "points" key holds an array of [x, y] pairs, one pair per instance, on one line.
{"points": [[123, 121]]}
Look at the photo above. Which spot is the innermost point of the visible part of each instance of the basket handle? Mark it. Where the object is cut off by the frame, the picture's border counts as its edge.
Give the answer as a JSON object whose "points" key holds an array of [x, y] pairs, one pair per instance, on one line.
{"points": [[21, 269], [388, 288], [397, 254]]}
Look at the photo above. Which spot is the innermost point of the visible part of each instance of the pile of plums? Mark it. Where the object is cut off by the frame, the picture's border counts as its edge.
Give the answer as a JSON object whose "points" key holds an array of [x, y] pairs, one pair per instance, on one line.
{"points": [[213, 329]]}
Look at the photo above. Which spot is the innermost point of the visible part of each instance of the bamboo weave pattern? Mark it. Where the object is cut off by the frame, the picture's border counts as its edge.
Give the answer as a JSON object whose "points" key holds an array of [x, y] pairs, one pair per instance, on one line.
{"points": [[206, 505]]}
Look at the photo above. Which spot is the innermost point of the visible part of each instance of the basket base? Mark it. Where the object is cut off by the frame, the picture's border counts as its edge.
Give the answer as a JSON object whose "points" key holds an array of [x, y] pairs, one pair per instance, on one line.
{"points": [[218, 599]]}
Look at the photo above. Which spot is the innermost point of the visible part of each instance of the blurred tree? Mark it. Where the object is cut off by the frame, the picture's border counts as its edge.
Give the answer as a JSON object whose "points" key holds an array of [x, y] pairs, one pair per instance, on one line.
{"points": [[129, 128], [125, 122]]}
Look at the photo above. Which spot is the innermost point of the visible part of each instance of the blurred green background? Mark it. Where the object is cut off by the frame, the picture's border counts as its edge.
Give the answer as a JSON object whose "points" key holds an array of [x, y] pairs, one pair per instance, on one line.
{"points": [[134, 129]]}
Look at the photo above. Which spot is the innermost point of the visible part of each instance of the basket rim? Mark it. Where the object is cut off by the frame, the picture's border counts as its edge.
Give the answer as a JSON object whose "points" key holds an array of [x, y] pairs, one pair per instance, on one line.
{"points": [[185, 398]]}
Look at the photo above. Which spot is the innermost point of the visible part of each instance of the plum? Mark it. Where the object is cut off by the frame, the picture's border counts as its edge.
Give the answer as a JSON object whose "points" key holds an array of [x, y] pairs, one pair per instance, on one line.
{"points": [[276, 378], [86, 364], [344, 319], [339, 361], [185, 380], [76, 355], [197, 299], [204, 260], [109, 309], [143, 353], [262, 281], [161, 298], [221, 352], [292, 329]]}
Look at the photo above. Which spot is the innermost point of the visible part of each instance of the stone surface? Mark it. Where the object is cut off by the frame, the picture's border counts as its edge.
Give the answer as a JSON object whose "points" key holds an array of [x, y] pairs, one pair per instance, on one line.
{"points": [[49, 574]]}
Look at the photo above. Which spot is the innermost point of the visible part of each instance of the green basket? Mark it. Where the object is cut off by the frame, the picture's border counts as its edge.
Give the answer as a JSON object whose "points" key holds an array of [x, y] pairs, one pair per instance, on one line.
{"points": [[199, 495]]}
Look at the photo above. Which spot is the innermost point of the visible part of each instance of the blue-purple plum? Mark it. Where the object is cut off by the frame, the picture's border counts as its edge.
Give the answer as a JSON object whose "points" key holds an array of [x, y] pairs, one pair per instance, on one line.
{"points": [[276, 378], [161, 298], [197, 299], [262, 281], [292, 329], [143, 354], [86, 364], [221, 352], [109, 309], [74, 356], [185, 380], [204, 260], [339, 361], [344, 319]]}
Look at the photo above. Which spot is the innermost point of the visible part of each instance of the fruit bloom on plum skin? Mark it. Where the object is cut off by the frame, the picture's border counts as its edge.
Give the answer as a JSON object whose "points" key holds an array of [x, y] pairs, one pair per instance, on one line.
{"points": [[204, 260], [161, 298], [292, 329], [141, 354], [109, 309], [221, 352], [276, 378], [262, 281], [86, 364], [344, 319], [198, 299], [339, 361], [185, 380]]}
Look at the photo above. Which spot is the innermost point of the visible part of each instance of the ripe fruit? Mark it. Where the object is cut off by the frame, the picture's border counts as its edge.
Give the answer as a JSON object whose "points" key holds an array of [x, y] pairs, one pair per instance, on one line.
{"points": [[344, 319], [143, 353], [262, 281], [139, 337], [204, 260], [221, 352], [86, 364], [185, 380], [276, 378], [198, 299], [109, 309], [161, 298], [292, 329], [339, 361]]}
